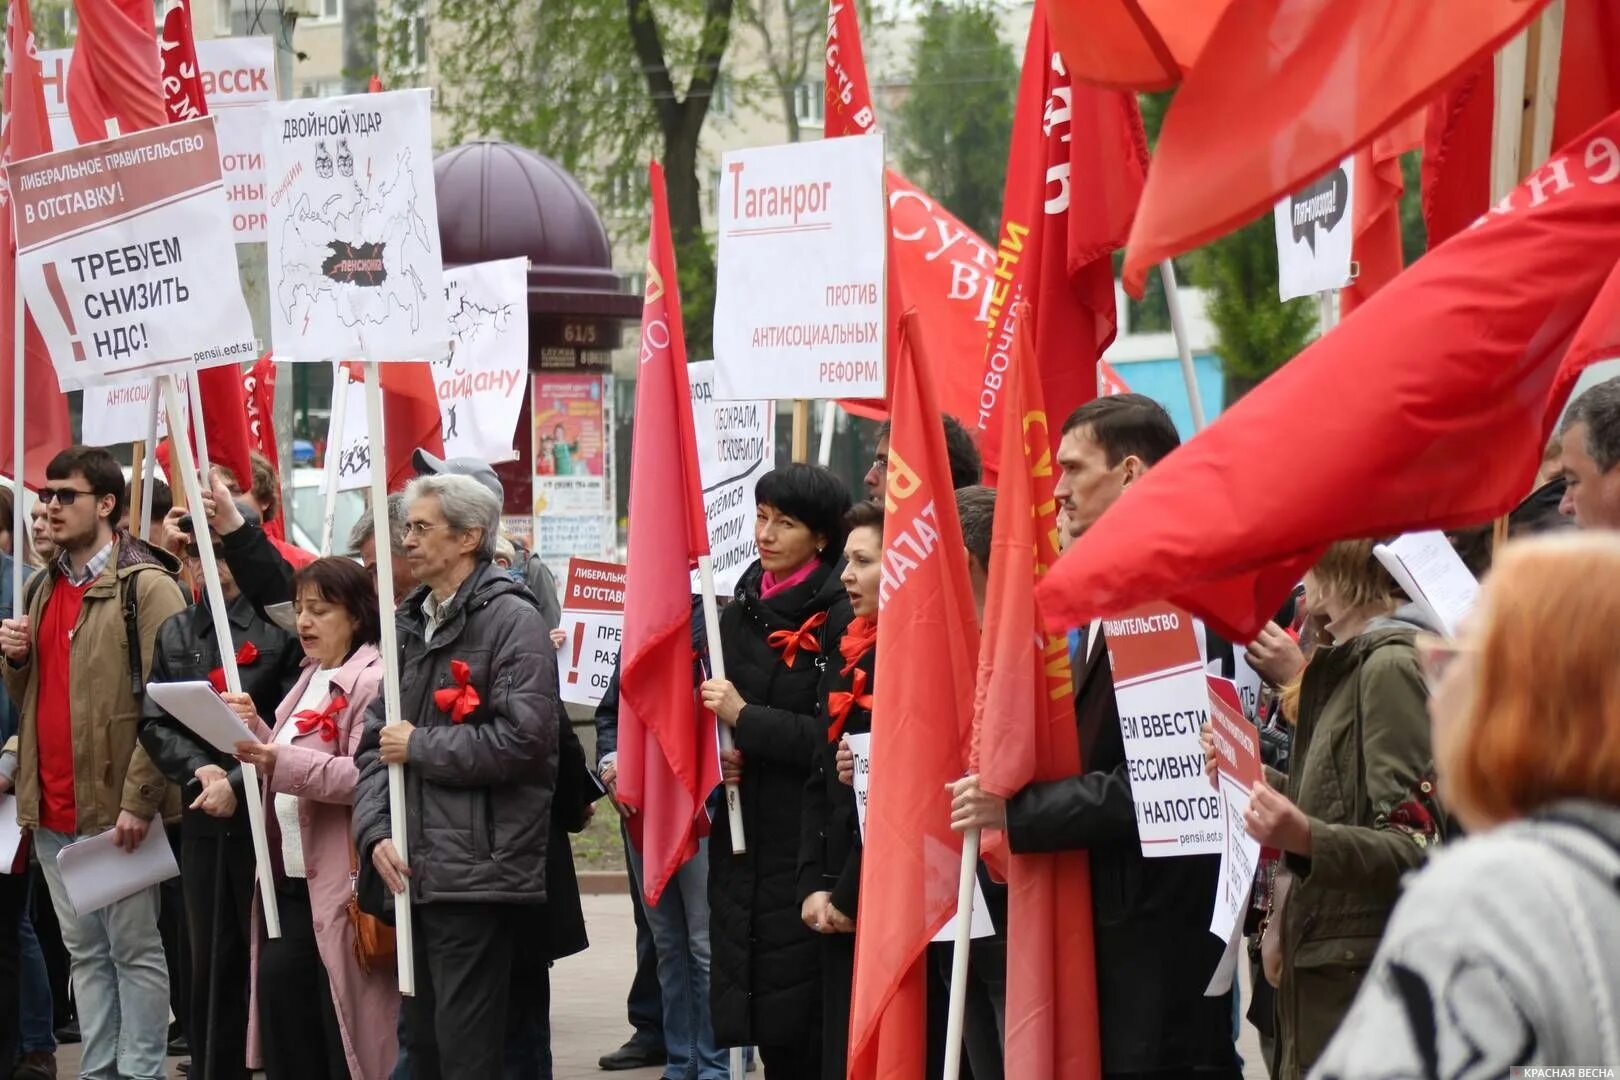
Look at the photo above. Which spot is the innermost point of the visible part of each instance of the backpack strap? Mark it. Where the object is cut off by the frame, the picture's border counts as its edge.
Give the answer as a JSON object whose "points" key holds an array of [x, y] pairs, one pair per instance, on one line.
{"points": [[128, 592]]}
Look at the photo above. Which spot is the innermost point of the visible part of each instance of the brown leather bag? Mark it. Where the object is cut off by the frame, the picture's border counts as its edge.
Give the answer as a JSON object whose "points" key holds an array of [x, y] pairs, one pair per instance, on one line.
{"points": [[373, 938]]}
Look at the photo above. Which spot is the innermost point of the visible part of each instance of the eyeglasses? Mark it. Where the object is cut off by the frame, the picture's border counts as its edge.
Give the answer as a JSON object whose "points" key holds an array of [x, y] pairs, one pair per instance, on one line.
{"points": [[422, 528], [1436, 654], [65, 496]]}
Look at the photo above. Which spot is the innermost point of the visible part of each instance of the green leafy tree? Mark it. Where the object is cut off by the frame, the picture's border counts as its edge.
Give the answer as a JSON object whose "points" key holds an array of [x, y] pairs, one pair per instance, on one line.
{"points": [[956, 118], [791, 36]]}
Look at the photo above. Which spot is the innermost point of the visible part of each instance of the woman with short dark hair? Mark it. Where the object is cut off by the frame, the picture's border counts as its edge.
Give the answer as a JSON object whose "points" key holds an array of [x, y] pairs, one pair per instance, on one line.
{"points": [[765, 985]]}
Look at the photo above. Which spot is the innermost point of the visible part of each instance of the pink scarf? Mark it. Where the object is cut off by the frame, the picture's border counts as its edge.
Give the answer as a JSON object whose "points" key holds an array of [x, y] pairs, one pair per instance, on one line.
{"points": [[769, 585]]}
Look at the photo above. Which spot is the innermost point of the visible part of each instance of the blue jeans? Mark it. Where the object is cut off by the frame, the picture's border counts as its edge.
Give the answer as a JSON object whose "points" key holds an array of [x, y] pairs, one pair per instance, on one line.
{"points": [[38, 1008], [120, 976], [680, 927]]}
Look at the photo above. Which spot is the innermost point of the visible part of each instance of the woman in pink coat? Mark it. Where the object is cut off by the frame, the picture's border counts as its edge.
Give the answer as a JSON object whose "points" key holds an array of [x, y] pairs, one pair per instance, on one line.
{"points": [[314, 1013]]}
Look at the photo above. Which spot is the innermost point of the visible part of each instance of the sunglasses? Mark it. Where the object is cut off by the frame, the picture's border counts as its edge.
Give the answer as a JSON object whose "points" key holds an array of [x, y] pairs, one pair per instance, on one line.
{"points": [[65, 496], [1436, 654]]}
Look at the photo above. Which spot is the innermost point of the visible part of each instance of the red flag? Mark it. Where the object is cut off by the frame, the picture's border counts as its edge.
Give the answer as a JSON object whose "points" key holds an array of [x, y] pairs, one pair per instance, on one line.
{"points": [[1074, 173], [936, 264], [25, 132], [667, 758], [1427, 408], [1110, 381], [182, 78], [259, 397], [1133, 44], [115, 71], [1376, 241], [922, 719], [375, 86], [1284, 90], [411, 418], [1024, 731]]}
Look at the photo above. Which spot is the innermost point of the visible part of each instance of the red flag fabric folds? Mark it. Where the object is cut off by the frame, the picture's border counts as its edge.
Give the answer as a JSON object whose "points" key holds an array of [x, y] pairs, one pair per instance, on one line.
{"points": [[928, 640], [411, 418], [667, 757], [1133, 44], [1426, 409], [1283, 90], [115, 71], [1376, 242]]}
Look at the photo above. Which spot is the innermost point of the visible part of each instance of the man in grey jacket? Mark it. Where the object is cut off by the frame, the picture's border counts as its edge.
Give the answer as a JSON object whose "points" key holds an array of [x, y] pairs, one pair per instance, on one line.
{"points": [[478, 739]]}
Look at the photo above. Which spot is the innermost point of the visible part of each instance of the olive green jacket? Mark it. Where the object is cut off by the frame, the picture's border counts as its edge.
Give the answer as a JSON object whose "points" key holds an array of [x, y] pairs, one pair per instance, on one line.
{"points": [[1363, 774]]}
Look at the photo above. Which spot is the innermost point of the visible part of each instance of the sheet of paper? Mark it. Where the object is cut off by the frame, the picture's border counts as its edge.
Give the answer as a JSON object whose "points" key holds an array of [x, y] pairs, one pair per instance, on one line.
{"points": [[1240, 858], [196, 705], [1226, 970], [1431, 572], [96, 872], [861, 747], [980, 924], [282, 615], [10, 833]]}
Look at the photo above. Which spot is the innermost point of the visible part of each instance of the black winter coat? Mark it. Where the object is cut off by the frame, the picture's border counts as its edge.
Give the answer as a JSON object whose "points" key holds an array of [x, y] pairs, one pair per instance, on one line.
{"points": [[764, 975], [830, 835], [186, 650], [1155, 954]]}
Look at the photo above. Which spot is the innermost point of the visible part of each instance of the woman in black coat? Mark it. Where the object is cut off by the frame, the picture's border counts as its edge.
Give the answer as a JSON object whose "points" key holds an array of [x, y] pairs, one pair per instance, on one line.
{"points": [[765, 986]]}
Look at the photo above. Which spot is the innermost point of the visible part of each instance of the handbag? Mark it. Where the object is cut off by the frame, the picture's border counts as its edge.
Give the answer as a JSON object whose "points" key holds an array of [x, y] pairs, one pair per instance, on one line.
{"points": [[1271, 946], [373, 938]]}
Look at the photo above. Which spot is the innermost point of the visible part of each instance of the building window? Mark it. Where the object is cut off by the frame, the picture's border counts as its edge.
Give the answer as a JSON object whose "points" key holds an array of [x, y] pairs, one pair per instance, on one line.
{"points": [[627, 193], [810, 102], [322, 88], [325, 11], [720, 99], [416, 38]]}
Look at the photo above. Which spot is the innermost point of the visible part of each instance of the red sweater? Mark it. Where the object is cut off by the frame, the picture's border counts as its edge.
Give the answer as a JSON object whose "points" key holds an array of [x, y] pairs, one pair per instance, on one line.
{"points": [[58, 805]]}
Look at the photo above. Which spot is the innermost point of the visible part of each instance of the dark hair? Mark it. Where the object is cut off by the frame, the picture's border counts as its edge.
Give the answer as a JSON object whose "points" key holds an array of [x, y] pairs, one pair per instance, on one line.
{"points": [[967, 467], [162, 500], [866, 514], [1599, 409], [345, 582], [266, 489], [1127, 425], [99, 469], [811, 494], [976, 506]]}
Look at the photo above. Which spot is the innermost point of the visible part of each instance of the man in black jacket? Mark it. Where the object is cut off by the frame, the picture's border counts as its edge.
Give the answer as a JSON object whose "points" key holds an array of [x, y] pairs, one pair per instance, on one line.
{"points": [[1155, 954], [216, 846]]}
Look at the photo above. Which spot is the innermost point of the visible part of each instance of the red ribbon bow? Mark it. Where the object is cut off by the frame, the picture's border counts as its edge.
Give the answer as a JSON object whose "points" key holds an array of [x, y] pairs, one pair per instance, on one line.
{"points": [[839, 703], [789, 642], [244, 656], [324, 719], [858, 639], [461, 699]]}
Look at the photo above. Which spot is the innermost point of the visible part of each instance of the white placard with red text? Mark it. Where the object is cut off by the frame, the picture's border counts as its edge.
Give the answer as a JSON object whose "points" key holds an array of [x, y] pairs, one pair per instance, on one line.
{"points": [[1159, 684], [593, 620], [117, 412], [1237, 756], [799, 293]]}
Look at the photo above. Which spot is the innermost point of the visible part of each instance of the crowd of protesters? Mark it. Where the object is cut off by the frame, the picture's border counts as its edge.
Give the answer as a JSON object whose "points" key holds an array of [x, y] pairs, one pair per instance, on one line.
{"points": [[1439, 892]]}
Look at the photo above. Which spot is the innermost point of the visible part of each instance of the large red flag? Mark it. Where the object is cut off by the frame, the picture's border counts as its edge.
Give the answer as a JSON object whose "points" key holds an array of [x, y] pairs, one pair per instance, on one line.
{"points": [[1376, 241], [1074, 174], [936, 264], [25, 132], [1426, 409], [1024, 731], [667, 757], [115, 69], [1283, 90], [1133, 44], [922, 719]]}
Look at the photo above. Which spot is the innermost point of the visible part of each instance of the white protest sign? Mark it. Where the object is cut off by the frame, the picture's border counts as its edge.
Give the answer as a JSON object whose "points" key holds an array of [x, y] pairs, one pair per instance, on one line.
{"points": [[1237, 756], [238, 75], [117, 412], [799, 289], [482, 380], [593, 619], [1314, 227], [355, 267], [1163, 701], [1433, 575], [736, 444], [126, 259]]}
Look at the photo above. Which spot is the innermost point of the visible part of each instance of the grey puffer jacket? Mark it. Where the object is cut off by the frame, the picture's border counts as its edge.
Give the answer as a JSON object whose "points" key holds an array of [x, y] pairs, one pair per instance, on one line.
{"points": [[478, 793]]}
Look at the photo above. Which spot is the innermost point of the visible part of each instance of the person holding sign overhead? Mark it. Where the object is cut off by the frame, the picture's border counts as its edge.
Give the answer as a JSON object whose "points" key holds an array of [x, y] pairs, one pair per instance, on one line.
{"points": [[765, 968]]}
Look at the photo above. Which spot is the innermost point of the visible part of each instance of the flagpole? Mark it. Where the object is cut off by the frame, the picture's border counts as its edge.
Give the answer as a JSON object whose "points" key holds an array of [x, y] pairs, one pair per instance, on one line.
{"points": [[1178, 325], [149, 462], [717, 670], [190, 478], [334, 448], [801, 430], [382, 532], [19, 439], [200, 432], [959, 954], [829, 416]]}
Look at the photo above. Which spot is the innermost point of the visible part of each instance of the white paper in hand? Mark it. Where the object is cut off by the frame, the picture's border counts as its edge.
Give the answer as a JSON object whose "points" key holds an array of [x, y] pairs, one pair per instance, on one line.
{"points": [[1433, 575], [196, 705], [97, 872]]}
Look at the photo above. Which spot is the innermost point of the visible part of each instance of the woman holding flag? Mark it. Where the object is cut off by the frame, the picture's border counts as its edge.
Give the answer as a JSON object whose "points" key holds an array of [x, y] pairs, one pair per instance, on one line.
{"points": [[765, 971]]}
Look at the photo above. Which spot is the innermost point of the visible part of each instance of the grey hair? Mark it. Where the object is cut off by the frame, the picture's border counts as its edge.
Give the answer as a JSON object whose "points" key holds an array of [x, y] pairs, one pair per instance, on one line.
{"points": [[504, 549], [1599, 410], [363, 531], [465, 504]]}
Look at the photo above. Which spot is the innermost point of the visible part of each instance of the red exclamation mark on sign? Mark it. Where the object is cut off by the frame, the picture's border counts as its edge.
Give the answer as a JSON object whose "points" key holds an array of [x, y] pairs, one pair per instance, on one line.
{"points": [[579, 640], [53, 282]]}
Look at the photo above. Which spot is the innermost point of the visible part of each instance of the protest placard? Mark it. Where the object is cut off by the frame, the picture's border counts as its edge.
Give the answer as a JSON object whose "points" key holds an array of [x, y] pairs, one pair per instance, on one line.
{"points": [[117, 412], [593, 619], [1238, 769], [1159, 684], [1314, 228], [1432, 574], [125, 256], [799, 289], [238, 75], [736, 444], [355, 266]]}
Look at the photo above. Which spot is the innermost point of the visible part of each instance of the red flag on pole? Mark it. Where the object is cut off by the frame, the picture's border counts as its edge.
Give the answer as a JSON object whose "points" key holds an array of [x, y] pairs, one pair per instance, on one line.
{"points": [[922, 719], [411, 418], [1074, 173], [259, 397], [1024, 731], [25, 132], [1283, 90], [1440, 405], [1133, 44], [667, 757], [1376, 240], [115, 69]]}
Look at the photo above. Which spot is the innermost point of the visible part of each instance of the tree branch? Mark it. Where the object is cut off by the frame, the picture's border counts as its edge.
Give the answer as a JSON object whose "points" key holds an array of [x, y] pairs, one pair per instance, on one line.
{"points": [[712, 43], [649, 48]]}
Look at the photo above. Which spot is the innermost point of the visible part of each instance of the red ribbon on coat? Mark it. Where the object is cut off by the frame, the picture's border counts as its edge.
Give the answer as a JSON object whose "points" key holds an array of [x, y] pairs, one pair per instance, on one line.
{"points": [[244, 656], [839, 703], [461, 699], [324, 719], [789, 642]]}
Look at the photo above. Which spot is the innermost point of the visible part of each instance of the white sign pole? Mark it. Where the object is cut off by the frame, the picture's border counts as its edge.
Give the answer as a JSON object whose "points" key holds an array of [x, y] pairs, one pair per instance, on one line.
{"points": [[829, 415], [959, 953], [1178, 324], [717, 670], [200, 434], [18, 438], [149, 463], [382, 530], [186, 467], [334, 454]]}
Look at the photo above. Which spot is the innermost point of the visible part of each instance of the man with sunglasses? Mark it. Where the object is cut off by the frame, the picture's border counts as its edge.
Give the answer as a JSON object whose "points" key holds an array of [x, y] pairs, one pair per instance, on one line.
{"points": [[77, 663]]}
